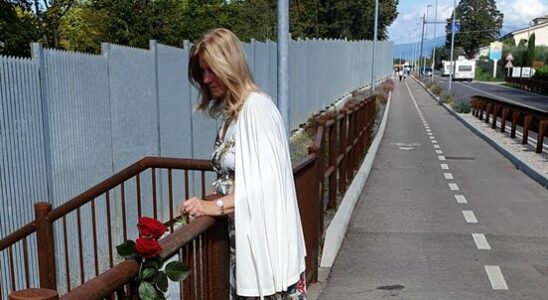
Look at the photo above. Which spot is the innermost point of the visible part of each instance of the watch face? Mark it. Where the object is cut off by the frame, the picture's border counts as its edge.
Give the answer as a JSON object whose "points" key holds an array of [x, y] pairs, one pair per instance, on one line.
{"points": [[220, 203]]}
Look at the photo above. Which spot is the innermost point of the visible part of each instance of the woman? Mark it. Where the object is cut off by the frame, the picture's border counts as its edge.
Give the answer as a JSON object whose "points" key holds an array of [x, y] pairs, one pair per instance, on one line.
{"points": [[254, 174]]}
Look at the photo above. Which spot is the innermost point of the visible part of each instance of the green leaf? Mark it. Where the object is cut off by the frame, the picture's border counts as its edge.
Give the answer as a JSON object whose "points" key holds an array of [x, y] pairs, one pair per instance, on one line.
{"points": [[161, 281], [148, 273], [147, 291], [176, 271], [127, 249], [153, 263]]}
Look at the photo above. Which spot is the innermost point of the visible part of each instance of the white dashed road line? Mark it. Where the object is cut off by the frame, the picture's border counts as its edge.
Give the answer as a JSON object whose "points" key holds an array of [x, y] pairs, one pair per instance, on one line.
{"points": [[441, 157], [481, 241], [461, 199], [453, 187], [469, 216], [439, 152], [496, 278], [444, 166], [448, 176]]}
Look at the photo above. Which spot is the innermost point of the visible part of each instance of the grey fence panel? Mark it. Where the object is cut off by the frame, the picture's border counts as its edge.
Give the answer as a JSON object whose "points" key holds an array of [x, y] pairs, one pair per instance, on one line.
{"points": [[262, 66], [80, 141], [175, 111], [249, 54], [273, 70], [22, 161]]}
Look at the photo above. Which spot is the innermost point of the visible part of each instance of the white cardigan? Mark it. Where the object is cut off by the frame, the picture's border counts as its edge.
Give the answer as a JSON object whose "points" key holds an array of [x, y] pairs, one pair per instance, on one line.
{"points": [[270, 248]]}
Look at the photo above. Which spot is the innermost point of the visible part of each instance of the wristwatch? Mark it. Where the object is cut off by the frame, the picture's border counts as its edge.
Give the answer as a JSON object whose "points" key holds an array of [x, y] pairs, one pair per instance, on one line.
{"points": [[220, 204]]}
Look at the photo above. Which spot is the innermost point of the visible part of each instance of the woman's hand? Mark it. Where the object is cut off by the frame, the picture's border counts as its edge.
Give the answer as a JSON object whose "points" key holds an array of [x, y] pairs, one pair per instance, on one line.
{"points": [[197, 207]]}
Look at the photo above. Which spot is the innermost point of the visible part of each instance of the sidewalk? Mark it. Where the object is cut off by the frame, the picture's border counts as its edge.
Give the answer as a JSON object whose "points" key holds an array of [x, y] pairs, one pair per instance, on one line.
{"points": [[442, 216]]}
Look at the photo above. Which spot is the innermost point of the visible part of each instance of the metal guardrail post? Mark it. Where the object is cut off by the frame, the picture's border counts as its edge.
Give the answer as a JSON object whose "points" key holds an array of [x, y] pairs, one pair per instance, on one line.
{"points": [[46, 249]]}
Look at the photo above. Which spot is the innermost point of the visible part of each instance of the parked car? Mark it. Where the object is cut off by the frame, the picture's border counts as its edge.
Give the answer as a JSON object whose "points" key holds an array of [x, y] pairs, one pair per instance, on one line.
{"points": [[426, 71]]}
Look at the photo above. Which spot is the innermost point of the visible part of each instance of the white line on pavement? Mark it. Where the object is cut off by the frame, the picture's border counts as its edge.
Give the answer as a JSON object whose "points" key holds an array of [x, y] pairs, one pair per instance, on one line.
{"points": [[434, 142], [441, 157], [461, 199], [439, 152], [496, 278], [432, 137], [469, 216], [430, 133], [444, 166], [428, 130], [453, 187], [448, 176], [437, 146], [481, 241]]}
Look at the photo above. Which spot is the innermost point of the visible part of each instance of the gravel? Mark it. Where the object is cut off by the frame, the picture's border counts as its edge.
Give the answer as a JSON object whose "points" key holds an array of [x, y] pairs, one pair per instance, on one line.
{"points": [[525, 153]]}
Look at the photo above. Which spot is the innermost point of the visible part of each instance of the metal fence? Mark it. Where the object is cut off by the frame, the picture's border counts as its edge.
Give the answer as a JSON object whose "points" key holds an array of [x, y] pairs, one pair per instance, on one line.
{"points": [[70, 120]]}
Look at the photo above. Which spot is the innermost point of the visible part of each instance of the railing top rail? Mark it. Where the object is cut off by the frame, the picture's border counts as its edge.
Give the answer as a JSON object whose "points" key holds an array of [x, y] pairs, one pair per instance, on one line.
{"points": [[18, 235], [108, 282], [516, 105], [125, 174]]}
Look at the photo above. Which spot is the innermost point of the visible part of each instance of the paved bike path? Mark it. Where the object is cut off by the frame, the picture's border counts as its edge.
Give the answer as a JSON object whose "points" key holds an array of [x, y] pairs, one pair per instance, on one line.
{"points": [[462, 223]]}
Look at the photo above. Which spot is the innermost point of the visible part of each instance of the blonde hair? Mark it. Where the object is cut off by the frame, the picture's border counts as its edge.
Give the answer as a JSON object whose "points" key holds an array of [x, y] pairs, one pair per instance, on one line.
{"points": [[222, 51]]}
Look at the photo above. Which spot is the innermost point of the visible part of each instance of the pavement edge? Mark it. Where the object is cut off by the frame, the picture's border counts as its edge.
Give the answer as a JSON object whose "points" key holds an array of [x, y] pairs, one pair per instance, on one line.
{"points": [[523, 166], [335, 233]]}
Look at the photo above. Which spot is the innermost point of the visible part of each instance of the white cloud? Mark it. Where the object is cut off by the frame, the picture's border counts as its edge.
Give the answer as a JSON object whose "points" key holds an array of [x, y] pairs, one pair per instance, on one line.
{"points": [[518, 13]]}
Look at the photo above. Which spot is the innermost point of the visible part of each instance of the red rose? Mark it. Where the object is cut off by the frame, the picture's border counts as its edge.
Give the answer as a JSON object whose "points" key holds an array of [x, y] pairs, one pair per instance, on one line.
{"points": [[149, 227], [148, 248]]}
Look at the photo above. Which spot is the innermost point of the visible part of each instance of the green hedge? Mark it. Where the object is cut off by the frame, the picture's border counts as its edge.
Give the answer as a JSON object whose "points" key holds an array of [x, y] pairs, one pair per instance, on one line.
{"points": [[541, 74]]}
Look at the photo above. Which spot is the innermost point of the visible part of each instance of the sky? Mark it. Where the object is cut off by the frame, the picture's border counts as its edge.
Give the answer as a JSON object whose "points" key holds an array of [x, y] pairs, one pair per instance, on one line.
{"points": [[406, 28]]}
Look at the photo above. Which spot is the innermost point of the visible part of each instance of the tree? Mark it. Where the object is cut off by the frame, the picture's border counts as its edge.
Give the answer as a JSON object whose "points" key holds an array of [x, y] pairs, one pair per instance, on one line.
{"points": [[480, 24], [530, 54], [18, 28]]}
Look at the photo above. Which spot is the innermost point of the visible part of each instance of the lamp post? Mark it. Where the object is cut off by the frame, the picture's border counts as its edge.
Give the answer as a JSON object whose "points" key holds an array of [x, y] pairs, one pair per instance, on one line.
{"points": [[435, 36], [422, 43], [452, 45], [283, 61], [426, 37]]}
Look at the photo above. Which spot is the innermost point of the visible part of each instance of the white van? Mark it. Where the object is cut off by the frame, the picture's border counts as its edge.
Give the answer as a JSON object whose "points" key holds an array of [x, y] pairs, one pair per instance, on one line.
{"points": [[446, 70], [465, 69]]}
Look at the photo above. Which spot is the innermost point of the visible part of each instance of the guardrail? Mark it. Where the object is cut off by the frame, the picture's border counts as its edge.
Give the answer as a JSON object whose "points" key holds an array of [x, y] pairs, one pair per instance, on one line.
{"points": [[528, 84], [203, 243], [529, 119]]}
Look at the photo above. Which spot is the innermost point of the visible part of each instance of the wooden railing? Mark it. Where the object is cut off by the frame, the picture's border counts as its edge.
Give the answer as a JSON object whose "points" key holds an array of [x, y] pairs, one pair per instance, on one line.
{"points": [[341, 139], [528, 84], [529, 119]]}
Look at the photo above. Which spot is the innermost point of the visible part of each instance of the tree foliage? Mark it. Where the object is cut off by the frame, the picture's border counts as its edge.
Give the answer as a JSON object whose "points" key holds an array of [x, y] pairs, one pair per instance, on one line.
{"points": [[480, 24], [82, 25]]}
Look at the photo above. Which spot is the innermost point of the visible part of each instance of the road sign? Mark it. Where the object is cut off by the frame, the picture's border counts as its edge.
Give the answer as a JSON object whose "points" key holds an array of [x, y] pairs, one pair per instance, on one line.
{"points": [[509, 64], [457, 27], [510, 57], [495, 51]]}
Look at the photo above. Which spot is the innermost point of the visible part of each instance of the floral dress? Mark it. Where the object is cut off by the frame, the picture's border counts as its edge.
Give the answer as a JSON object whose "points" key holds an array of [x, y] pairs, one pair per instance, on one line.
{"points": [[223, 162]]}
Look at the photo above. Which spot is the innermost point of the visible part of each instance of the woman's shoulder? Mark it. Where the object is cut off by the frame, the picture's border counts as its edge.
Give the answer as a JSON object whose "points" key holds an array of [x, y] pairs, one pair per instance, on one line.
{"points": [[258, 100]]}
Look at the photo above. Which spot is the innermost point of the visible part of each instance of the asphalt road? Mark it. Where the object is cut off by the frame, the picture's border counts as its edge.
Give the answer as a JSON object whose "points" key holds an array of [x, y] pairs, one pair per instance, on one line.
{"points": [[463, 90], [442, 216]]}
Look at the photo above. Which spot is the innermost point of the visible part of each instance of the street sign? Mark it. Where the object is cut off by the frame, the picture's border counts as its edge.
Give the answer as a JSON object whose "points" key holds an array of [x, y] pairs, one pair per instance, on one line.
{"points": [[457, 27], [509, 57], [509, 64], [495, 51]]}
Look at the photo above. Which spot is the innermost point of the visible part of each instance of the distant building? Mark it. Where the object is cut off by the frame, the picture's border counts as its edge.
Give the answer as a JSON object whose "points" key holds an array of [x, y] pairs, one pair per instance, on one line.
{"points": [[538, 26]]}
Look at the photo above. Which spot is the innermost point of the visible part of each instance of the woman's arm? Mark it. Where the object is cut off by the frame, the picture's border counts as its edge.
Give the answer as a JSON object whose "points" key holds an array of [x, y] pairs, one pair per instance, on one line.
{"points": [[197, 207]]}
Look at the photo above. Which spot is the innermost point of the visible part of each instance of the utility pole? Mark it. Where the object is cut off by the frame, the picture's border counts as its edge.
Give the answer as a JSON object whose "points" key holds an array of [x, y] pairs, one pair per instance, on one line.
{"points": [[435, 36], [374, 47], [422, 43], [283, 61], [426, 37], [452, 68]]}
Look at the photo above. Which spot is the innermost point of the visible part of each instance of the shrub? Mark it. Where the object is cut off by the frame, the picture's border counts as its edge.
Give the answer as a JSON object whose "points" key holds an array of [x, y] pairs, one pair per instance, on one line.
{"points": [[428, 83], [447, 99], [436, 89], [541, 74], [462, 107]]}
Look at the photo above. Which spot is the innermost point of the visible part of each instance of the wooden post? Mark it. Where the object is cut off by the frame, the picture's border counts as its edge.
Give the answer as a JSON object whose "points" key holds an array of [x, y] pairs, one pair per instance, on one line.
{"points": [[526, 125], [504, 117], [342, 150], [495, 116], [34, 294], [542, 130], [46, 249], [217, 260], [515, 119], [332, 132]]}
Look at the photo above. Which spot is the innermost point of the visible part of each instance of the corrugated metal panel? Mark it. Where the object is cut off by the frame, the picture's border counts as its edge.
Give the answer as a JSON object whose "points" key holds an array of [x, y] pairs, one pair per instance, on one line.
{"points": [[22, 163]]}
